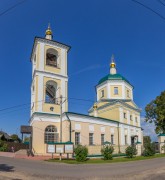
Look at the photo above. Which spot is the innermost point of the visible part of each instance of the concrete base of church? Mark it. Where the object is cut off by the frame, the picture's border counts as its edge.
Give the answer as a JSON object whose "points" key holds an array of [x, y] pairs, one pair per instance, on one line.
{"points": [[95, 150]]}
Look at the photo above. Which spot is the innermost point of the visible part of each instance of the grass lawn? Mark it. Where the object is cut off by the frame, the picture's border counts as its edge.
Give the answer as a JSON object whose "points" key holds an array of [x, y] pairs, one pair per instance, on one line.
{"points": [[99, 161]]}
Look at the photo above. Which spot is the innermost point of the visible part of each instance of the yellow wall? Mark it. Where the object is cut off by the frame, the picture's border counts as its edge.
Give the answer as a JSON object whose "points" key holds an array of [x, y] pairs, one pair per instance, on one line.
{"points": [[84, 133], [105, 93], [119, 91], [40, 148], [38, 135], [110, 113]]}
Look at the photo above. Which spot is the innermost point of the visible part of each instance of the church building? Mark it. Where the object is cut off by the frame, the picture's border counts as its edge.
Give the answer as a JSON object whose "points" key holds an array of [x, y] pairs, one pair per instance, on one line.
{"points": [[113, 118]]}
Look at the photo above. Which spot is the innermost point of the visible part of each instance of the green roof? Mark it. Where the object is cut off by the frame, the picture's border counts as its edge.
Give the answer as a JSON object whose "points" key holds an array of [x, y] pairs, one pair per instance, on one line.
{"points": [[113, 77], [161, 135]]}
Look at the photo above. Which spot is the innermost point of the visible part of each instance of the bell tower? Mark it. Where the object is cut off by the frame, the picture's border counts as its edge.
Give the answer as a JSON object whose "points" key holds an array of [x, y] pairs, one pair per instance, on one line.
{"points": [[49, 75]]}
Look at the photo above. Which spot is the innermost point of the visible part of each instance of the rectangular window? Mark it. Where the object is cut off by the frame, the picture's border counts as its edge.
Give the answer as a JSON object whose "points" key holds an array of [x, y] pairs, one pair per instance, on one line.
{"points": [[124, 115], [115, 90], [77, 138], [128, 93], [131, 117], [136, 119], [102, 139], [90, 138], [51, 137], [112, 139], [125, 139], [102, 93]]}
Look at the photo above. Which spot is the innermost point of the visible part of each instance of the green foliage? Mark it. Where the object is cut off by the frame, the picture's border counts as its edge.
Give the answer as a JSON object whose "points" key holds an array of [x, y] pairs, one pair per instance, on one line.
{"points": [[163, 148], [3, 146], [15, 138], [130, 151], [81, 153], [146, 139], [107, 151], [155, 113], [149, 148]]}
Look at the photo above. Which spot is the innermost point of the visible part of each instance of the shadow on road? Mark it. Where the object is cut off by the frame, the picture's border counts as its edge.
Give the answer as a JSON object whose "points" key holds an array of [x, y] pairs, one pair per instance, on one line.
{"points": [[6, 168]]}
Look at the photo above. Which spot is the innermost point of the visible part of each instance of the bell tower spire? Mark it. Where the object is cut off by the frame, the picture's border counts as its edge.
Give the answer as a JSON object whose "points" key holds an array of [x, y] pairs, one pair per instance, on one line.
{"points": [[48, 33], [112, 65]]}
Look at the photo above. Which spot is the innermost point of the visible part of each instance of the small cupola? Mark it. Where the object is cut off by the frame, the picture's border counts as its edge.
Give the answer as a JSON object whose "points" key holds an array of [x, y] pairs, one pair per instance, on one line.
{"points": [[112, 65], [48, 33]]}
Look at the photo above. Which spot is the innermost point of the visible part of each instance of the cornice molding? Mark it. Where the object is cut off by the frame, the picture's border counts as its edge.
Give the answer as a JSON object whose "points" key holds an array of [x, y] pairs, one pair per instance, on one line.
{"points": [[114, 81], [48, 73]]}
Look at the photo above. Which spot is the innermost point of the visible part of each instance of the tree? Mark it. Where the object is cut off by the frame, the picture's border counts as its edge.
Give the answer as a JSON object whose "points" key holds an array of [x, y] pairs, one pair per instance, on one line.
{"points": [[3, 146], [146, 139], [149, 147], [15, 138], [155, 113]]}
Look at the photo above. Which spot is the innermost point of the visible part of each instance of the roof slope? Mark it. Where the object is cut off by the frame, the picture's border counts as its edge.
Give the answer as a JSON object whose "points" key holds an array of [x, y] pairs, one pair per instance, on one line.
{"points": [[113, 77]]}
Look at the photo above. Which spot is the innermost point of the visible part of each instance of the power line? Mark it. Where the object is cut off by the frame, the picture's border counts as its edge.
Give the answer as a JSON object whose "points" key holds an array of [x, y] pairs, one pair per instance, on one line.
{"points": [[12, 7], [161, 2], [26, 104], [81, 99], [26, 108], [158, 14]]}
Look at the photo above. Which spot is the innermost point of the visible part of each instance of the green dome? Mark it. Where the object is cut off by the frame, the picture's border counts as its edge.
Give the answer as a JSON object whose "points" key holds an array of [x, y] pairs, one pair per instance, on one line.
{"points": [[113, 77]]}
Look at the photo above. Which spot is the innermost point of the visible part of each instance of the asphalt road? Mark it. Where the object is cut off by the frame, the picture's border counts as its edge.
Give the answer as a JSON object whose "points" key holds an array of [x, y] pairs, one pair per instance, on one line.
{"points": [[17, 169]]}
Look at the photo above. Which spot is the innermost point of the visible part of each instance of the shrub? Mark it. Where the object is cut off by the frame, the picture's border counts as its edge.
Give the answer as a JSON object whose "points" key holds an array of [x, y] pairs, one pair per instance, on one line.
{"points": [[81, 153], [131, 151], [107, 151], [149, 148], [3, 146]]}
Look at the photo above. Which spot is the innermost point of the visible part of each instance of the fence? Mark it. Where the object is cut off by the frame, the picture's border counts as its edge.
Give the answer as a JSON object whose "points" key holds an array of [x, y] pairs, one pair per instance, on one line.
{"points": [[16, 146]]}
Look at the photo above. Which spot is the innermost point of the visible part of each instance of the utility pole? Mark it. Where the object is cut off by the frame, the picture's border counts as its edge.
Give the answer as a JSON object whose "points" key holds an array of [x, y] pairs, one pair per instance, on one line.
{"points": [[61, 118]]}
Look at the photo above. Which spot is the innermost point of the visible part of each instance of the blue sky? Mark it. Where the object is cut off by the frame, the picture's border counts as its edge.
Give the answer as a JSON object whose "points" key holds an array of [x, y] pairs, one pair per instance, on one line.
{"points": [[95, 29]]}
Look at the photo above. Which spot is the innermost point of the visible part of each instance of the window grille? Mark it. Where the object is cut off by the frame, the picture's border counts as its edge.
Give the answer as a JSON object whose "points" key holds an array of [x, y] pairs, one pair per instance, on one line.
{"points": [[51, 134], [77, 138], [102, 139], [125, 139], [91, 139], [116, 90], [112, 139], [125, 115]]}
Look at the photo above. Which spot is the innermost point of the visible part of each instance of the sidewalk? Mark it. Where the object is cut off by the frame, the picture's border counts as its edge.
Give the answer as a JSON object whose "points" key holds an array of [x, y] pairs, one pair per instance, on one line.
{"points": [[14, 155], [7, 154]]}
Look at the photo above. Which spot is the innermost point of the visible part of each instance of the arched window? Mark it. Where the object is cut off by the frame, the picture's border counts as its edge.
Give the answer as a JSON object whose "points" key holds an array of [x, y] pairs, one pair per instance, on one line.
{"points": [[50, 94], [51, 57], [51, 134]]}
